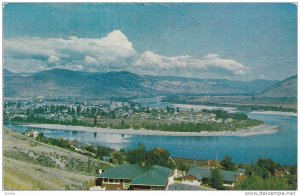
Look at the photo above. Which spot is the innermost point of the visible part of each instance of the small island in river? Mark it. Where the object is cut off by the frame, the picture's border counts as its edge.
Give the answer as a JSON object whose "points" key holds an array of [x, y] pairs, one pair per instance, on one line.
{"points": [[132, 118], [257, 130]]}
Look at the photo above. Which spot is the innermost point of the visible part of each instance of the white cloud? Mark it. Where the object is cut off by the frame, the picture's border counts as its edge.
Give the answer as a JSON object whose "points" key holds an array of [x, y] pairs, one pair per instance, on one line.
{"points": [[114, 48], [25, 65], [53, 59], [262, 76], [187, 63], [90, 60], [116, 38], [211, 56], [112, 52]]}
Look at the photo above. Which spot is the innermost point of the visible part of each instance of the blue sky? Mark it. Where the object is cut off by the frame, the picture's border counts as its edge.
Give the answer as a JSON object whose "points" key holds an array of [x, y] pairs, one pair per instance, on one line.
{"points": [[235, 41]]}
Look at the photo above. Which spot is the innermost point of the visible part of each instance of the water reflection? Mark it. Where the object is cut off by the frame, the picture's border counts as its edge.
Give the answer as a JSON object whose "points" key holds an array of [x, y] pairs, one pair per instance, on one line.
{"points": [[281, 146]]}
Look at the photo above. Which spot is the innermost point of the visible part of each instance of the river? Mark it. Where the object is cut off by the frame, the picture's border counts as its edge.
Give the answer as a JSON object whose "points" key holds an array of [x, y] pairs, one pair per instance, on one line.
{"points": [[280, 146]]}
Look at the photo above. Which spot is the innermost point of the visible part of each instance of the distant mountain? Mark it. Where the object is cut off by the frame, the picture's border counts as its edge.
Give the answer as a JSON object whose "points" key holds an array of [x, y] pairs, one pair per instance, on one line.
{"points": [[283, 89], [64, 83], [175, 85], [7, 73]]}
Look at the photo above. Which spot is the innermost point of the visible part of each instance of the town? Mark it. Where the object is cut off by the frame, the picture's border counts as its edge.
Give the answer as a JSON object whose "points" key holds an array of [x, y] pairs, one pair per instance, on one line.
{"points": [[122, 115]]}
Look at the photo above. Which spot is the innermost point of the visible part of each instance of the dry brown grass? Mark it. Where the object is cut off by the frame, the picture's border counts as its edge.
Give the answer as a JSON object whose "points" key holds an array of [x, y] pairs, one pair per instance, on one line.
{"points": [[31, 165]]}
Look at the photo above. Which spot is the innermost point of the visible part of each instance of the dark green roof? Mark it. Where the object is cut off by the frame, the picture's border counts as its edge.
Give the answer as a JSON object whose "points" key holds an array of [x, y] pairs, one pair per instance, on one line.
{"points": [[202, 172], [125, 171], [148, 175], [199, 172], [156, 175], [229, 176]]}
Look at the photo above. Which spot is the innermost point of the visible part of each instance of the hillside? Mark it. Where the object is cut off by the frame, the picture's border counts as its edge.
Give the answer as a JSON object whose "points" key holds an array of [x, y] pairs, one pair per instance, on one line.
{"points": [[65, 83], [31, 165], [283, 89]]}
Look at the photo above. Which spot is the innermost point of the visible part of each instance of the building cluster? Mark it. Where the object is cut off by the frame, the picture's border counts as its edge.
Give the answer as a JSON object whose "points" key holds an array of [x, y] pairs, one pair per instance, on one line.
{"points": [[199, 175], [66, 110], [134, 177], [63, 110], [31, 133], [137, 177]]}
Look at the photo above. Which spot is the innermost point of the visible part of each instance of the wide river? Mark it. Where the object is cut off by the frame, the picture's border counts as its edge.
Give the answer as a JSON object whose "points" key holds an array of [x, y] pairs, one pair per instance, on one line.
{"points": [[280, 146]]}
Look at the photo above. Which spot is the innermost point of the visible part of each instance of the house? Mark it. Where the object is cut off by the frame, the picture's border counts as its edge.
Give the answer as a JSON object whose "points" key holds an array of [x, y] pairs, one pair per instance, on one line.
{"points": [[278, 173], [31, 133], [179, 173], [156, 178], [242, 171], [229, 178], [198, 175], [74, 142], [134, 177], [35, 134]]}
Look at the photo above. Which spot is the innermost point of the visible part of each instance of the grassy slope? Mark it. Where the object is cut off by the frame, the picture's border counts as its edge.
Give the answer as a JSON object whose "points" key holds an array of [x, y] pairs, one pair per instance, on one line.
{"points": [[31, 165]]}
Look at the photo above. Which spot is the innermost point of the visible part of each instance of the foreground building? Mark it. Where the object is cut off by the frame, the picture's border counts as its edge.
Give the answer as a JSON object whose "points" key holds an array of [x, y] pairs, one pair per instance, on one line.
{"points": [[198, 175], [134, 177]]}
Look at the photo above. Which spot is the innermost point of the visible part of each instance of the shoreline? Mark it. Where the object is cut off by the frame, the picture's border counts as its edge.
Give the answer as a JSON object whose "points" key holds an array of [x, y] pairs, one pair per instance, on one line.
{"points": [[231, 109], [275, 113], [257, 130], [200, 107]]}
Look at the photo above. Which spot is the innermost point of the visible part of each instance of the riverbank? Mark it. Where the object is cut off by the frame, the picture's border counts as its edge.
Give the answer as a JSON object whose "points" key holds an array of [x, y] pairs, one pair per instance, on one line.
{"points": [[230, 109], [201, 107], [257, 130], [275, 113]]}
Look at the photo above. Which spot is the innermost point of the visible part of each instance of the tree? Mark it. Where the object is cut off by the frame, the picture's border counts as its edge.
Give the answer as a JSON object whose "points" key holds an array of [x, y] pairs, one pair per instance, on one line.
{"points": [[205, 181], [256, 182], [228, 164], [158, 156], [118, 157], [95, 134], [182, 166], [95, 121], [103, 151], [216, 179], [136, 156], [293, 170], [40, 136], [78, 109], [268, 164]]}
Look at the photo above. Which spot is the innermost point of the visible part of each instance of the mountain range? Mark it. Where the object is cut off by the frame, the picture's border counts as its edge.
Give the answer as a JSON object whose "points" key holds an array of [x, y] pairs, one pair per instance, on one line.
{"points": [[67, 83], [286, 88]]}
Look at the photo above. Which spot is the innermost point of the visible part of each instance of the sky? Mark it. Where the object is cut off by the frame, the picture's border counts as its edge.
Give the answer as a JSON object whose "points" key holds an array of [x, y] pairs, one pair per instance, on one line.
{"points": [[200, 40]]}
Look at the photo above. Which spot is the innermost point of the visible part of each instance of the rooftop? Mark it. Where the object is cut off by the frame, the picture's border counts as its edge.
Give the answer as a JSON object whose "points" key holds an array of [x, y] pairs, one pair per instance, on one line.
{"points": [[156, 175], [229, 175], [202, 172], [199, 172], [148, 175], [126, 171]]}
